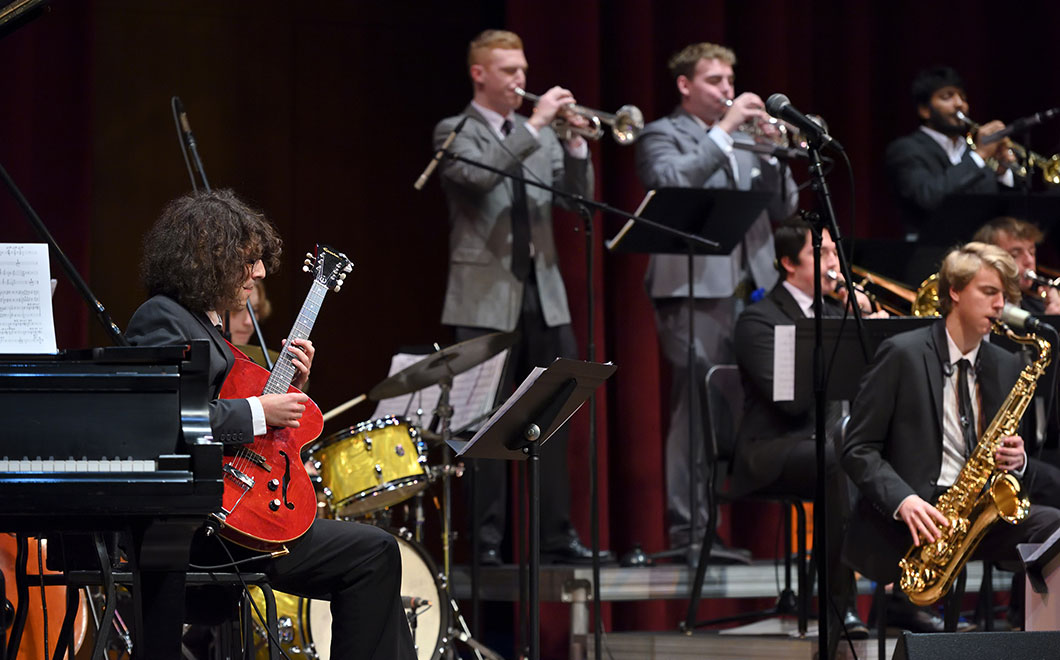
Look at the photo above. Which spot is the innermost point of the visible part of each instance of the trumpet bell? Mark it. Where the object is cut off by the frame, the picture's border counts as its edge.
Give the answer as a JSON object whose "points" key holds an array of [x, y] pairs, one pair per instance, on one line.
{"points": [[627, 125]]}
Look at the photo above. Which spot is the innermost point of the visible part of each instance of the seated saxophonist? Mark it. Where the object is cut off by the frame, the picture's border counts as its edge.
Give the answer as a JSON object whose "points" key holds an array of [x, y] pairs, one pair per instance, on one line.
{"points": [[920, 411]]}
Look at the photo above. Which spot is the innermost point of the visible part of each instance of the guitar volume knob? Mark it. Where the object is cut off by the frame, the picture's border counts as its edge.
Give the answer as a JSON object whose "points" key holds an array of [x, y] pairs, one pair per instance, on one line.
{"points": [[274, 505]]}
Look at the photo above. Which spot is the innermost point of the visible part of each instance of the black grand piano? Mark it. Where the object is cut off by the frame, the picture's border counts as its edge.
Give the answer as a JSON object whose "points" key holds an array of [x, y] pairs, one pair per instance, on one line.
{"points": [[112, 447]]}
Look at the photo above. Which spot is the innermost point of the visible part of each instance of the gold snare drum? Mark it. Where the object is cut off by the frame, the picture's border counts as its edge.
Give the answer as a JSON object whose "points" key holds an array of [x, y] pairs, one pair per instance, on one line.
{"points": [[370, 466]]}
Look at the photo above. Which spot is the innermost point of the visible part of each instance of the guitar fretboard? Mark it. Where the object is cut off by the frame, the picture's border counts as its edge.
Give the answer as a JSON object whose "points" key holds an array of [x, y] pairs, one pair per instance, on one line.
{"points": [[283, 371]]}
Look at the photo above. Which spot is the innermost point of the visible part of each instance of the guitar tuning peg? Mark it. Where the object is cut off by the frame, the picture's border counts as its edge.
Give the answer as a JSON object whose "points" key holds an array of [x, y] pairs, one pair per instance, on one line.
{"points": [[309, 255], [305, 268], [336, 288], [348, 268], [342, 276]]}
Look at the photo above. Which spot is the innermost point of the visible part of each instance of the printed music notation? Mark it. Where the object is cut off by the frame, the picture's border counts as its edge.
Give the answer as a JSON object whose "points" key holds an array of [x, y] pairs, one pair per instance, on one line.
{"points": [[26, 324], [472, 396]]}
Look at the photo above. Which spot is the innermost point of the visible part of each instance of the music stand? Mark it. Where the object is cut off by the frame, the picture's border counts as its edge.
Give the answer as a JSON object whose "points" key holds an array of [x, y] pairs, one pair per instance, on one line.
{"points": [[959, 216], [544, 401], [724, 216], [847, 362]]}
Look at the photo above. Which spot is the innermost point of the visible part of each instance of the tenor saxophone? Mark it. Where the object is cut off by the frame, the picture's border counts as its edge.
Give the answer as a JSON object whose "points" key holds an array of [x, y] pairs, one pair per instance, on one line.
{"points": [[981, 495]]}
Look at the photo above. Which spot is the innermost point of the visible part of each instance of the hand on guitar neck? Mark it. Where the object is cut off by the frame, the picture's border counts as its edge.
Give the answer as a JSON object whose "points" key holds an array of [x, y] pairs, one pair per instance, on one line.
{"points": [[286, 409], [302, 359]]}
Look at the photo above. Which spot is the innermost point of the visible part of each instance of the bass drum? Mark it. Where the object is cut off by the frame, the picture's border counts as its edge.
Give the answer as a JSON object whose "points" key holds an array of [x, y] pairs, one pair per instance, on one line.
{"points": [[305, 624]]}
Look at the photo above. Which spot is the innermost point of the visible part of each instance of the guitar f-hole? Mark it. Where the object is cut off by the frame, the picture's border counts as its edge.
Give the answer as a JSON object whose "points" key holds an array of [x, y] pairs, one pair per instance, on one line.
{"points": [[286, 479]]}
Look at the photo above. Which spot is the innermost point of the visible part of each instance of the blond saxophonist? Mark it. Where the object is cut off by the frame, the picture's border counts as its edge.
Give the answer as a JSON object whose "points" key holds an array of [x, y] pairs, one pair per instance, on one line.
{"points": [[928, 395]]}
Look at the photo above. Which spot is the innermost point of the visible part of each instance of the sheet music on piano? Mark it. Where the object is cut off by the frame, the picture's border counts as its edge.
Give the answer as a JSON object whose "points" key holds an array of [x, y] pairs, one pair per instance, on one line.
{"points": [[26, 323], [472, 396]]}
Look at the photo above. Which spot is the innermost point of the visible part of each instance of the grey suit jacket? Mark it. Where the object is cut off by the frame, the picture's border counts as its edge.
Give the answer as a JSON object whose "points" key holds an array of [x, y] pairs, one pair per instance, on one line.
{"points": [[675, 151], [481, 290], [162, 321]]}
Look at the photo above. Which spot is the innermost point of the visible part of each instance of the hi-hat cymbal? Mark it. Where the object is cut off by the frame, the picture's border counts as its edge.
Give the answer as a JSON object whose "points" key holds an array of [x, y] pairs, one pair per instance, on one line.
{"points": [[449, 361]]}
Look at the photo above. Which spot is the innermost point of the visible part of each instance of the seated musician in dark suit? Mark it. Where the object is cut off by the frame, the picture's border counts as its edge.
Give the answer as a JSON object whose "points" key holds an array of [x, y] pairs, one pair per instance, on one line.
{"points": [[922, 407], [1020, 239], [201, 258], [775, 450], [935, 160]]}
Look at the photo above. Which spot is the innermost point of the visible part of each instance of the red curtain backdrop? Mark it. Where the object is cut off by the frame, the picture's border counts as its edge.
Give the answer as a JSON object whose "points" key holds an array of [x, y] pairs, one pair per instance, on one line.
{"points": [[321, 113]]}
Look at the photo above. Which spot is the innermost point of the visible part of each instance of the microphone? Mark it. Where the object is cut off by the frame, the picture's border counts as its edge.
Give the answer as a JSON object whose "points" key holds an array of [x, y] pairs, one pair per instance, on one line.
{"points": [[438, 155], [185, 127], [1019, 318], [779, 106], [414, 602], [1021, 125], [189, 139]]}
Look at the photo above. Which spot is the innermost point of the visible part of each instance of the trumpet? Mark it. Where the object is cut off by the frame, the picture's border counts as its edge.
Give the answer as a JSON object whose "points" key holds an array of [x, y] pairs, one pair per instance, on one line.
{"points": [[1042, 280], [1050, 167], [834, 276], [625, 124], [754, 128]]}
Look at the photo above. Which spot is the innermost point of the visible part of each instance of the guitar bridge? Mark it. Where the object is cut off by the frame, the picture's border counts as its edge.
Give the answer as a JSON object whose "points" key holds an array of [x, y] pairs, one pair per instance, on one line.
{"points": [[239, 476]]}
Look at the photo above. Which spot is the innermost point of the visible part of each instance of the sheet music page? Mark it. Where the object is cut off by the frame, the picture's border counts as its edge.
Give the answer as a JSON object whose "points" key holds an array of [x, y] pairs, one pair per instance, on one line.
{"points": [[523, 387], [26, 323], [472, 396], [784, 363]]}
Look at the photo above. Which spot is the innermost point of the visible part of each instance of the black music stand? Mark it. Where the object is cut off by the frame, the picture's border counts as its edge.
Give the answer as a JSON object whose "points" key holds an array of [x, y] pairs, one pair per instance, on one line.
{"points": [[544, 401], [959, 216], [848, 364], [724, 216]]}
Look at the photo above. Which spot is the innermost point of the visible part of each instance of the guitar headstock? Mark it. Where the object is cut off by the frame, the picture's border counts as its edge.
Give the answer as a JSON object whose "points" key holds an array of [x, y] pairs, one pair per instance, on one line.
{"points": [[329, 267]]}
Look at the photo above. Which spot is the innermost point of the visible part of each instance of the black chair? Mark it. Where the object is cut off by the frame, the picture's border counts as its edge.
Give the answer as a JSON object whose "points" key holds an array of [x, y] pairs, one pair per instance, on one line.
{"points": [[725, 404]]}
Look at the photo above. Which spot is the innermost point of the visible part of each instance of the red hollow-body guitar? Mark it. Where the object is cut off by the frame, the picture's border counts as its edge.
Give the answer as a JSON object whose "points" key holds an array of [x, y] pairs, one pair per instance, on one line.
{"points": [[268, 497]]}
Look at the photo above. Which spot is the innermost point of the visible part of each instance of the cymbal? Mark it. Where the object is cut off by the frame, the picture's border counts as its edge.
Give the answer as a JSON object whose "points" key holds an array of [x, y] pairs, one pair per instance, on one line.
{"points": [[449, 361]]}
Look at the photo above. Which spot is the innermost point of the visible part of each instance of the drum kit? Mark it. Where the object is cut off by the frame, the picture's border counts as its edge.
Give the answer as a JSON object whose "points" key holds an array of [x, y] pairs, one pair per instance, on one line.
{"points": [[363, 472]]}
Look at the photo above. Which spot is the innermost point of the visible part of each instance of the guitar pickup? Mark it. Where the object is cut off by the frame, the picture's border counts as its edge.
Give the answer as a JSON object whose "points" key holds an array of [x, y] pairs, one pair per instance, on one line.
{"points": [[255, 458], [239, 476]]}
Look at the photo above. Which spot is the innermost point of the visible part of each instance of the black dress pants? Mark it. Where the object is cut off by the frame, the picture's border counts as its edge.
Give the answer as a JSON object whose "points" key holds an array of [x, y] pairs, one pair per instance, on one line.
{"points": [[355, 566], [538, 346]]}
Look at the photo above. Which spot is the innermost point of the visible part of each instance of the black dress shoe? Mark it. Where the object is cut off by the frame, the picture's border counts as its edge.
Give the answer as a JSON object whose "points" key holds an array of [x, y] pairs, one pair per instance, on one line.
{"points": [[854, 626], [903, 614], [489, 556], [573, 553]]}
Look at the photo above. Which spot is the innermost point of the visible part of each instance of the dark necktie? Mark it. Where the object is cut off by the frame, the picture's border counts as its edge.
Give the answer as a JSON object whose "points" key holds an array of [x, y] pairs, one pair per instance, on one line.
{"points": [[520, 219], [964, 406]]}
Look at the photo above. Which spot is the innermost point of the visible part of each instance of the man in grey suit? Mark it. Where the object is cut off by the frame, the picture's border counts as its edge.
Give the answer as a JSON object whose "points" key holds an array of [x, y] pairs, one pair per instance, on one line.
{"points": [[693, 148], [503, 267]]}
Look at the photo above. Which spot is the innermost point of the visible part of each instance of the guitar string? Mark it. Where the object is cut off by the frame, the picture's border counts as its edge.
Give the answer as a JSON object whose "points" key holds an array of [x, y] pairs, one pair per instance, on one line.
{"points": [[286, 371]]}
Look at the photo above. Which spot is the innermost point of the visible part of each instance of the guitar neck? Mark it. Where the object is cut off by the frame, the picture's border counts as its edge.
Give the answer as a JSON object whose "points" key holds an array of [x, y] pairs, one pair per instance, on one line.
{"points": [[283, 371]]}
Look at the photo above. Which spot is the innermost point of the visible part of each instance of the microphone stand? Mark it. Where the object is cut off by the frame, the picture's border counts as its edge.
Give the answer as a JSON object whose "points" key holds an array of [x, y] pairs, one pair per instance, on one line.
{"points": [[38, 225], [826, 220], [586, 208], [187, 143]]}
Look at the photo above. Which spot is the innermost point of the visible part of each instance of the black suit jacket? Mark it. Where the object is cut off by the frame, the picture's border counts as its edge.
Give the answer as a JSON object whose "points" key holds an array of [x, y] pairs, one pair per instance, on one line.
{"points": [[921, 176], [162, 321], [769, 428], [893, 445]]}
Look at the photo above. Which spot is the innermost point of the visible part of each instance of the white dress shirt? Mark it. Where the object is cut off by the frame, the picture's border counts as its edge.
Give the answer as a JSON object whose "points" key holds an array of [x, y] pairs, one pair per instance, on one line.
{"points": [[955, 149]]}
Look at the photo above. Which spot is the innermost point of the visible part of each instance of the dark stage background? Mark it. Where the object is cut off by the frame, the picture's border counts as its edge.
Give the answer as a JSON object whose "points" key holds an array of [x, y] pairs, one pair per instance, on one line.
{"points": [[320, 113]]}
